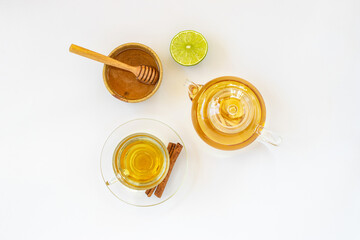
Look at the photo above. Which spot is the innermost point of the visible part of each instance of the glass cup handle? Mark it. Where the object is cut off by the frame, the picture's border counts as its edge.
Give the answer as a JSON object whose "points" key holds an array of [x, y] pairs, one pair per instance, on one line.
{"points": [[268, 136], [111, 181]]}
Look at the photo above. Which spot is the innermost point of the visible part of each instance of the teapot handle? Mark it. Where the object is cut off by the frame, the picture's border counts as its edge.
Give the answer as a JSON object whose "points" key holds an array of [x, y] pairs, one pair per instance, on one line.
{"points": [[268, 136], [193, 88]]}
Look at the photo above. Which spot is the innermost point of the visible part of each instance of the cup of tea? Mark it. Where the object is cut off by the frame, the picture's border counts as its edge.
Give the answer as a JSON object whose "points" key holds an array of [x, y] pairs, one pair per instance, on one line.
{"points": [[140, 161], [135, 158]]}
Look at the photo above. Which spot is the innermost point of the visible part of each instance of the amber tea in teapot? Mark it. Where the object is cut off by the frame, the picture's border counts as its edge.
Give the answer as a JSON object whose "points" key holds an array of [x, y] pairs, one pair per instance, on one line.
{"points": [[228, 113]]}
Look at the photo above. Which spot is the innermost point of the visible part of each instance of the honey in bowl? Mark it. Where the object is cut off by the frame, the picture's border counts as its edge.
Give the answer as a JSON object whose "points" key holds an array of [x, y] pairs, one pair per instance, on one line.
{"points": [[123, 84], [140, 161]]}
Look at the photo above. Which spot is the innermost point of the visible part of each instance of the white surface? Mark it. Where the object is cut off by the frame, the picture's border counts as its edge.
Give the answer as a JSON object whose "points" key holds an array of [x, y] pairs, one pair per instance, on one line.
{"points": [[304, 58]]}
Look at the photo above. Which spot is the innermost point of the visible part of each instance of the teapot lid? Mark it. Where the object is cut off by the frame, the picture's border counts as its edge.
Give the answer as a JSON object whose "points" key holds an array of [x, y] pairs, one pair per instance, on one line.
{"points": [[227, 113]]}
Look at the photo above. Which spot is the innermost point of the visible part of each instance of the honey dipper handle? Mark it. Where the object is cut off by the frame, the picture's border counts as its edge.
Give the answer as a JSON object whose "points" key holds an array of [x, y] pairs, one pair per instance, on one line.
{"points": [[100, 58]]}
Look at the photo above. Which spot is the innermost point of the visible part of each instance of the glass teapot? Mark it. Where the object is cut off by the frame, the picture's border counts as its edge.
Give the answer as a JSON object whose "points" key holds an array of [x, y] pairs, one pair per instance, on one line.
{"points": [[229, 113]]}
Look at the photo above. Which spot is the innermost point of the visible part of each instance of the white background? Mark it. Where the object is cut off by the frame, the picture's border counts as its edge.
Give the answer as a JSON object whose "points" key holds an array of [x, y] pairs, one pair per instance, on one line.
{"points": [[56, 113]]}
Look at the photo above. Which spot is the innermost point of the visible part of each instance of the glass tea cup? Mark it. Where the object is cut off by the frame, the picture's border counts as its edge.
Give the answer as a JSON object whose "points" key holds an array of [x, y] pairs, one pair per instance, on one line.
{"points": [[158, 130], [140, 161], [229, 113]]}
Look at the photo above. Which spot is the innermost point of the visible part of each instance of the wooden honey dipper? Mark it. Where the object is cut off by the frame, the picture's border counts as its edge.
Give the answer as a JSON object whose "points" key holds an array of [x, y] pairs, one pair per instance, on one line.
{"points": [[144, 74]]}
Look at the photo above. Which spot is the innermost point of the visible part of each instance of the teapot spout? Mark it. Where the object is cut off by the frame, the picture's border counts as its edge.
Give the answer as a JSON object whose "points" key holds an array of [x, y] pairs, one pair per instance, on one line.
{"points": [[193, 88]]}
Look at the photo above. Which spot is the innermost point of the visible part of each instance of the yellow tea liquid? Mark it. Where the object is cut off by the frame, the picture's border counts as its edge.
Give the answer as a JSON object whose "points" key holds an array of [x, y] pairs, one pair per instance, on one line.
{"points": [[228, 112], [140, 161]]}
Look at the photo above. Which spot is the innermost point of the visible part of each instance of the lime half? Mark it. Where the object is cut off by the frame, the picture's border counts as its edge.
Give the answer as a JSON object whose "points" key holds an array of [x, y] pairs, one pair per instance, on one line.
{"points": [[188, 48]]}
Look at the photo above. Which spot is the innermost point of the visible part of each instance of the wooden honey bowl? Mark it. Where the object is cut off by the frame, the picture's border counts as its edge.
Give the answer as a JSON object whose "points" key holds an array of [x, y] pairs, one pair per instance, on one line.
{"points": [[123, 84]]}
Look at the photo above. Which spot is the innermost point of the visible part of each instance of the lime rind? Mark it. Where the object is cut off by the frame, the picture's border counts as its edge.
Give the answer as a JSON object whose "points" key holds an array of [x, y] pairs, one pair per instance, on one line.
{"points": [[188, 48]]}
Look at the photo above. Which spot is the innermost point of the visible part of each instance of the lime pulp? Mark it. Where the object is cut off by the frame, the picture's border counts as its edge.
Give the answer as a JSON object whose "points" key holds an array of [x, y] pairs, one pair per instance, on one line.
{"points": [[188, 48]]}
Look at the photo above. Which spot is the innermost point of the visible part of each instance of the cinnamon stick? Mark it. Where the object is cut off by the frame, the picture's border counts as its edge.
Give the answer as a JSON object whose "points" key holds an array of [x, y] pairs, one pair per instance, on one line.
{"points": [[161, 187], [171, 147], [150, 191]]}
